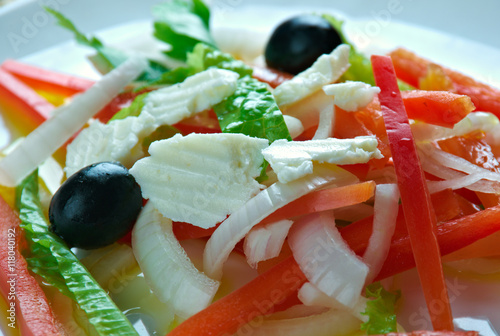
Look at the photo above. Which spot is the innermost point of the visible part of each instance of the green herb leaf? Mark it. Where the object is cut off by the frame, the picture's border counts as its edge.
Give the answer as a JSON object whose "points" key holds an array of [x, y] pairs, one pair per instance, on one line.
{"points": [[204, 56], [182, 24], [106, 58], [54, 261], [361, 67], [252, 110], [134, 109], [201, 58], [380, 310]]}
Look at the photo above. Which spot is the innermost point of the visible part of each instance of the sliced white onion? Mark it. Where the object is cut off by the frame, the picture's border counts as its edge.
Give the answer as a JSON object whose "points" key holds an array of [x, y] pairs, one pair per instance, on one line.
{"points": [[454, 184], [384, 223], [239, 223], [330, 323], [310, 295], [325, 258], [66, 121], [294, 126], [431, 165], [326, 122], [171, 275], [265, 242], [456, 162]]}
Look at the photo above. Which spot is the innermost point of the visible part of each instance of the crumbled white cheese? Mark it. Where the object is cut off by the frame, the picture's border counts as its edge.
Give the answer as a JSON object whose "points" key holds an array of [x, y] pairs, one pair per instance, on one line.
{"points": [[351, 96], [326, 70], [200, 178], [120, 140], [291, 160], [197, 93]]}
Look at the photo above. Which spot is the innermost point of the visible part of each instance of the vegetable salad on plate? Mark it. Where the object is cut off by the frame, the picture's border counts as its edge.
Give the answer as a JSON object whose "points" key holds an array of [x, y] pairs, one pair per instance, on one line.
{"points": [[212, 189]]}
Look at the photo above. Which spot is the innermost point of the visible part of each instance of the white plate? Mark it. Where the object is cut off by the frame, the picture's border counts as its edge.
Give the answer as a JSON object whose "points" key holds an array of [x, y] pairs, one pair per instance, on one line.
{"points": [[27, 33]]}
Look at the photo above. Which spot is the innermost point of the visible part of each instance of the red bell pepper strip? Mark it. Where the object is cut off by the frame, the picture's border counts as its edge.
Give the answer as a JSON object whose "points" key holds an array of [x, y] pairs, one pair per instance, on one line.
{"points": [[23, 98], [452, 236], [283, 280], [257, 298], [411, 68], [415, 198], [31, 313], [43, 79]]}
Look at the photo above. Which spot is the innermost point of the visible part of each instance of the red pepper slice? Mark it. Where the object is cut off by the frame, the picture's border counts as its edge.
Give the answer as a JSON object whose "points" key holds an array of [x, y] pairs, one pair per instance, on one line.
{"points": [[47, 80], [415, 198], [21, 97], [32, 313]]}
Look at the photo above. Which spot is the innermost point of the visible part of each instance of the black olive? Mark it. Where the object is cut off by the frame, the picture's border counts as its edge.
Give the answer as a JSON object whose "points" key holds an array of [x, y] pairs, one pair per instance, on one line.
{"points": [[296, 43], [96, 206]]}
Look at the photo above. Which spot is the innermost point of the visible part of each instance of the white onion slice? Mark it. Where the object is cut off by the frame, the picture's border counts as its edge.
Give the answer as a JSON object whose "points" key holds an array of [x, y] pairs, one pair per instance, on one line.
{"points": [[171, 275], [239, 223], [311, 296], [65, 122], [294, 126], [325, 258], [265, 242], [431, 165], [384, 223], [456, 162], [330, 323], [326, 122], [454, 184]]}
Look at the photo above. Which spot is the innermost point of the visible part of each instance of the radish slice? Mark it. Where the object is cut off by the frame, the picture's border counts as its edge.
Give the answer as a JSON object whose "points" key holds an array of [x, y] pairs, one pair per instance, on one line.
{"points": [[384, 223], [265, 242], [171, 275], [240, 222], [325, 258], [330, 323], [66, 121]]}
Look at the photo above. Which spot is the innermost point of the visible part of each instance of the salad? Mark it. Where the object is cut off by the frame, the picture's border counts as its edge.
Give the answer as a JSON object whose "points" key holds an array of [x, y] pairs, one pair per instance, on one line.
{"points": [[214, 190]]}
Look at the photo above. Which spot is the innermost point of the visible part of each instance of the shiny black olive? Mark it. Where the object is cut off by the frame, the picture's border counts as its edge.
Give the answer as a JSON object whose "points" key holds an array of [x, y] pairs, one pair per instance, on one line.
{"points": [[296, 43], [96, 206]]}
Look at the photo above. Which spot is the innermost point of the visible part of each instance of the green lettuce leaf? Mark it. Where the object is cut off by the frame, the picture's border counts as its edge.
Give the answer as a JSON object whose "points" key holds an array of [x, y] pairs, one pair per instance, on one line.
{"points": [[106, 58], [182, 24], [201, 58], [361, 67], [252, 110], [51, 258], [380, 310]]}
